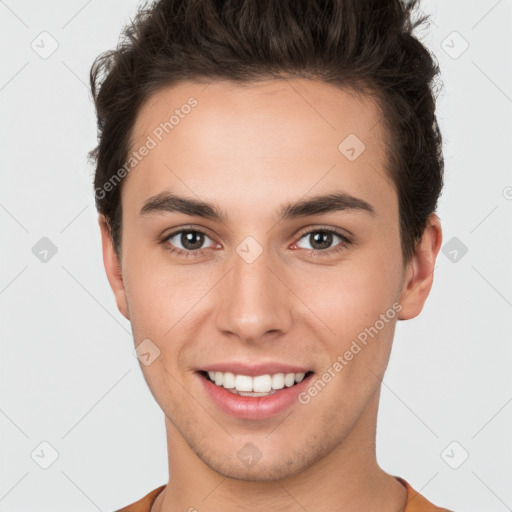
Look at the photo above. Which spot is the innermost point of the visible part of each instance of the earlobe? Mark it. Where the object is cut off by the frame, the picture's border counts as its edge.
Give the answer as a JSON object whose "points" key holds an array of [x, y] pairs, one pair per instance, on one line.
{"points": [[419, 274], [113, 267]]}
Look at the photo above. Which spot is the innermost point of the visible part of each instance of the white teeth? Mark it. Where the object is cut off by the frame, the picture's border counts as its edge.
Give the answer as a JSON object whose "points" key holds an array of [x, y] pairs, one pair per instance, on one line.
{"points": [[299, 377], [262, 383], [278, 381], [259, 385], [289, 379], [228, 381], [247, 393], [243, 383]]}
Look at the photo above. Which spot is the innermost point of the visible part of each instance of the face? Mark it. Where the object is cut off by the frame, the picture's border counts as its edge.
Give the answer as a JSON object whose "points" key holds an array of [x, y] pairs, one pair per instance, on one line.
{"points": [[266, 279]]}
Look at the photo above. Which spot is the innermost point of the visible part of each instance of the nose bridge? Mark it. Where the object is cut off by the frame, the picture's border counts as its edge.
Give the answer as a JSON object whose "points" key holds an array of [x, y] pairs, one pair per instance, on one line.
{"points": [[253, 301]]}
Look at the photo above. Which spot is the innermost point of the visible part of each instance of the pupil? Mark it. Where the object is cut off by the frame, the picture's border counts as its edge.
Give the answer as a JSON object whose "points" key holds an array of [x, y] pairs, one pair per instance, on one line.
{"points": [[193, 238], [317, 237]]}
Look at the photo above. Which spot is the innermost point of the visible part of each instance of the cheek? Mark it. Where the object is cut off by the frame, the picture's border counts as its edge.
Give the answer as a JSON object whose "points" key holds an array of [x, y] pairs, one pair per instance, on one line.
{"points": [[354, 296], [158, 292], [168, 305], [358, 303], [363, 320]]}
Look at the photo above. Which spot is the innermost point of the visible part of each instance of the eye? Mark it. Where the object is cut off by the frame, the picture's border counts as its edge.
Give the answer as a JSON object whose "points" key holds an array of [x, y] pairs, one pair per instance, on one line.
{"points": [[189, 242], [321, 241], [186, 242]]}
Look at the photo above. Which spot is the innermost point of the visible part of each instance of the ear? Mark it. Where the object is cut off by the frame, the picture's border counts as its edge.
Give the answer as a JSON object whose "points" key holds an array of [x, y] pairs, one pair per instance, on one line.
{"points": [[113, 267], [419, 273]]}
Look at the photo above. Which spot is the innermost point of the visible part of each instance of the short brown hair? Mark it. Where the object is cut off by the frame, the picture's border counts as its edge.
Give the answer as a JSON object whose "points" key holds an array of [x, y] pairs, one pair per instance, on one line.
{"points": [[365, 45]]}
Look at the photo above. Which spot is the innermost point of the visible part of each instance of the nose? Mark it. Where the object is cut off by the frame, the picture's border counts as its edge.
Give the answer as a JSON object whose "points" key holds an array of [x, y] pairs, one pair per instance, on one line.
{"points": [[254, 302]]}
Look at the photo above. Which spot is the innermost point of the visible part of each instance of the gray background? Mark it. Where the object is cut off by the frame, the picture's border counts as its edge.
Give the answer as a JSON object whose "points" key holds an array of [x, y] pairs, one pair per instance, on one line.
{"points": [[68, 374]]}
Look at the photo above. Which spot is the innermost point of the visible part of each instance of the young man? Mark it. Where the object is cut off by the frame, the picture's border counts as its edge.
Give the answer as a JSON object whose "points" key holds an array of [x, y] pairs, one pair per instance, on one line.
{"points": [[267, 176]]}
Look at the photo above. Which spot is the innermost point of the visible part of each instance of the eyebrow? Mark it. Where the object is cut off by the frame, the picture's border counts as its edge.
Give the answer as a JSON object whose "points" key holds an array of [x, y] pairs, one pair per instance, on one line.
{"points": [[166, 202]]}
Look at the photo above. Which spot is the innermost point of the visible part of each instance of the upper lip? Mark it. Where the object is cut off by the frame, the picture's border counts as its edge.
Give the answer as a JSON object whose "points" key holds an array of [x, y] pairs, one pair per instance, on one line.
{"points": [[252, 370]]}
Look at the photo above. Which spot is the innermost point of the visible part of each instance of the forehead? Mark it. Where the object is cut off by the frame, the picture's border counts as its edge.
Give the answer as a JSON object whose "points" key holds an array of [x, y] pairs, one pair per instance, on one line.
{"points": [[251, 144]]}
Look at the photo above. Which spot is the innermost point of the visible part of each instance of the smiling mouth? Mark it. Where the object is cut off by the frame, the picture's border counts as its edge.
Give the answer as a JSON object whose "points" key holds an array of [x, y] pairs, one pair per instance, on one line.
{"points": [[260, 385]]}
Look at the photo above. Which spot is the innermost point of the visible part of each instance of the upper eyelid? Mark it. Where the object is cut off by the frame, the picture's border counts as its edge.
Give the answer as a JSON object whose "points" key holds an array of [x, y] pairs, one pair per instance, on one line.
{"points": [[337, 231], [187, 229]]}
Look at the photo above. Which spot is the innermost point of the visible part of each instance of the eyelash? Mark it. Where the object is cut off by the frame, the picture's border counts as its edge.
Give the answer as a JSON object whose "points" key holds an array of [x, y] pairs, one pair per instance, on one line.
{"points": [[314, 252]]}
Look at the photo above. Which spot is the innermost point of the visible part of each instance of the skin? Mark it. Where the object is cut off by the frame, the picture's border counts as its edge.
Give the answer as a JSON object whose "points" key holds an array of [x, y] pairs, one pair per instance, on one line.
{"points": [[249, 150]]}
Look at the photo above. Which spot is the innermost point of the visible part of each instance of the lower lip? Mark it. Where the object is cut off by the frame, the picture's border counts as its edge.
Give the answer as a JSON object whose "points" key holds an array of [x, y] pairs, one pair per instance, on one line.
{"points": [[254, 408]]}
